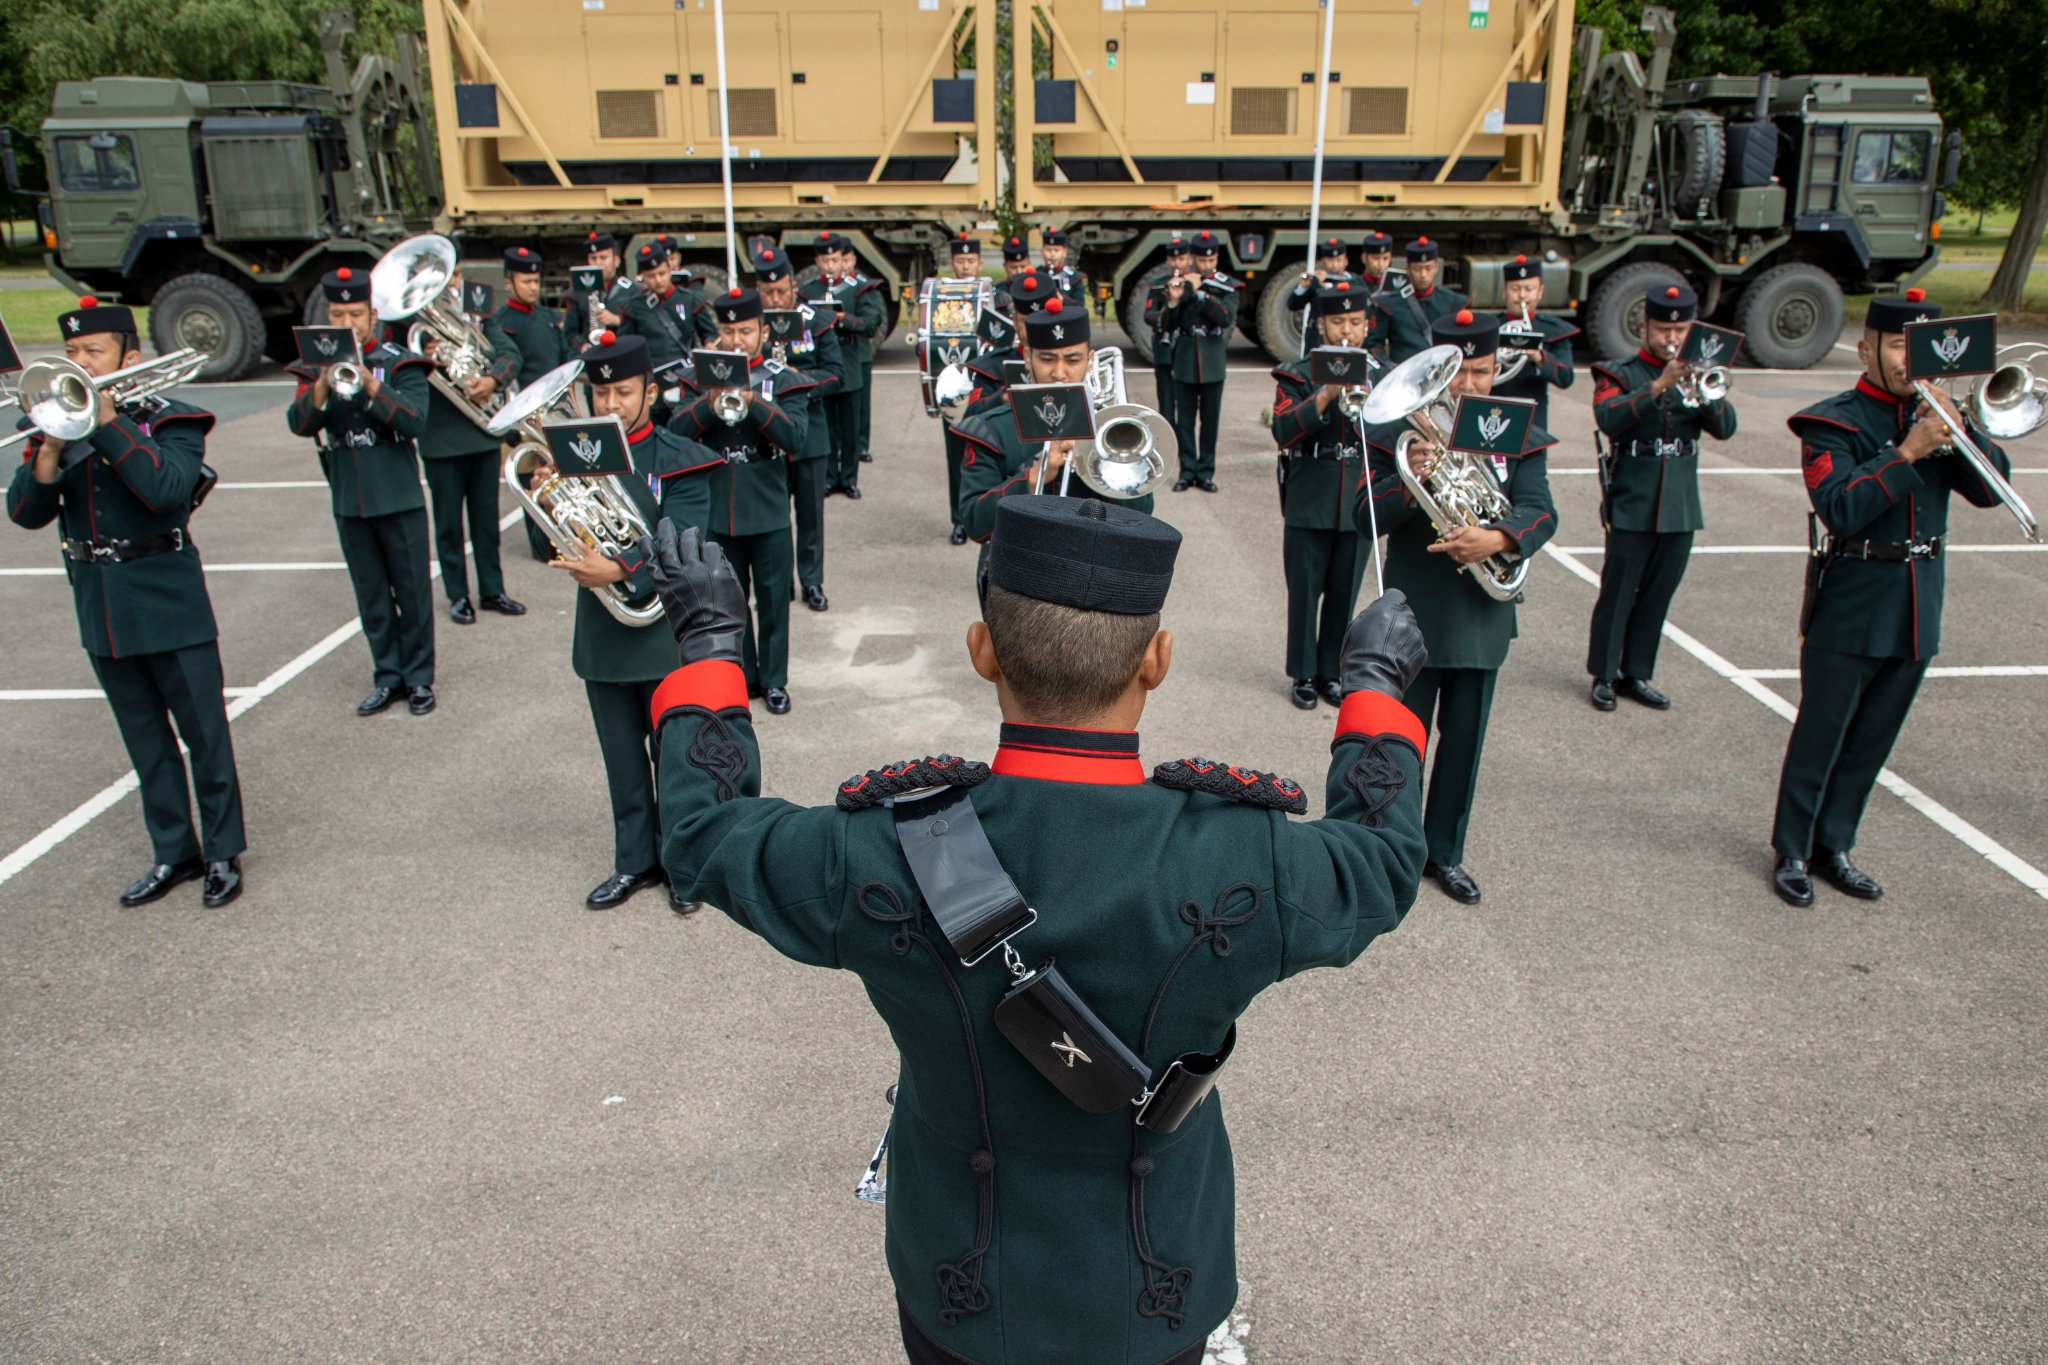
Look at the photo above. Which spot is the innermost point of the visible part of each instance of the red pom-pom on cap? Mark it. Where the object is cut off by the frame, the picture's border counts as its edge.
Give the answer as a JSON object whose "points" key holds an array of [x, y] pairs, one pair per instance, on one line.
{"points": [[591, 238], [733, 292], [523, 253], [1916, 296], [824, 236], [1422, 241], [608, 339], [1464, 317], [1343, 286], [1031, 281], [1521, 260], [1672, 292], [1055, 305], [345, 273], [88, 302]]}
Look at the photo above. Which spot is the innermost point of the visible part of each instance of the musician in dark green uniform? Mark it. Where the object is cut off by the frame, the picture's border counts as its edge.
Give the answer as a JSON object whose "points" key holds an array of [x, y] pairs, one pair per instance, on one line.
{"points": [[701, 322], [1468, 630], [1204, 309], [966, 265], [659, 311], [1054, 254], [1651, 497], [368, 453], [856, 322], [1322, 455], [1058, 349], [1375, 273], [122, 498], [620, 664], [463, 467], [1546, 341], [1872, 620], [1160, 318], [1408, 311], [813, 351], [1034, 1214], [749, 487], [531, 333], [586, 313], [1332, 258], [1016, 260]]}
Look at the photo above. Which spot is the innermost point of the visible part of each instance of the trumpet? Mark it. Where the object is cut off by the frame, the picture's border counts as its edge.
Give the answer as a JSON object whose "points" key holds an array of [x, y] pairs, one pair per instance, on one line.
{"points": [[1520, 329], [729, 406], [345, 379], [1972, 455], [1133, 446], [61, 398], [1460, 490], [593, 304], [409, 282]]}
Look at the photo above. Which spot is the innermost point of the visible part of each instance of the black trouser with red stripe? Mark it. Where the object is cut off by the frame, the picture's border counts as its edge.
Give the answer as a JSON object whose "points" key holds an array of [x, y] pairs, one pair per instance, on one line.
{"points": [[1455, 703], [1638, 578], [1851, 708], [1190, 403], [150, 691], [1324, 570]]}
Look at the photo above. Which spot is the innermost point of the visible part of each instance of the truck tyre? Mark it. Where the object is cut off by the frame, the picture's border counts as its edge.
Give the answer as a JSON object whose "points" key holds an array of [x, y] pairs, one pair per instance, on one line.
{"points": [[1700, 157], [1133, 310], [212, 314], [1614, 318], [1791, 317], [1279, 325]]}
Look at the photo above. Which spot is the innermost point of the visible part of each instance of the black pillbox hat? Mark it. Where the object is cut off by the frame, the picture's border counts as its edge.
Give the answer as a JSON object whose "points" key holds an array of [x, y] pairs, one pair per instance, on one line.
{"points": [[965, 246], [93, 316], [1031, 291], [617, 357], [1375, 242], [1473, 334], [1891, 313], [600, 241], [1421, 249], [522, 261], [737, 305], [1055, 325], [1054, 237], [1331, 249], [1016, 249], [1340, 294], [770, 264], [1082, 553], [346, 285], [1670, 303], [650, 255], [1520, 268], [829, 242]]}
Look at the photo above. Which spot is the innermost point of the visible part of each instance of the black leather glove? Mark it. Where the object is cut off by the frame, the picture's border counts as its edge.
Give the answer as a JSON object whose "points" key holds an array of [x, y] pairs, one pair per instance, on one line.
{"points": [[1383, 649], [701, 594]]}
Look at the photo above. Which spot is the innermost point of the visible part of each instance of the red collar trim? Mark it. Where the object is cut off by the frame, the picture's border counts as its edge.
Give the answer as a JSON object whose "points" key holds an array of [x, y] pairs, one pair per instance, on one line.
{"points": [[755, 362], [1645, 356], [1425, 293], [1054, 753], [669, 295], [1870, 390], [645, 430], [522, 307]]}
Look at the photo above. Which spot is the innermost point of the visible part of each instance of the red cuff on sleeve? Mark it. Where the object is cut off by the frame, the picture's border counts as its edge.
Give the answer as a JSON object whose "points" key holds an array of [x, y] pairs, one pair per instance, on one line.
{"points": [[1365, 713], [714, 684]]}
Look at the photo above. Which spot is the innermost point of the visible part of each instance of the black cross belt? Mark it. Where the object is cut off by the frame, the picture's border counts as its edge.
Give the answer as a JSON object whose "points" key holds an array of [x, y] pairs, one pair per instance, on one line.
{"points": [[1886, 551], [107, 550]]}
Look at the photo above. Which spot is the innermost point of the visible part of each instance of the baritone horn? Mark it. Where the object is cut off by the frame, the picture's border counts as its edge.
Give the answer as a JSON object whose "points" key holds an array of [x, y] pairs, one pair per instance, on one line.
{"points": [[1133, 448], [61, 399], [578, 515], [409, 283], [1460, 489]]}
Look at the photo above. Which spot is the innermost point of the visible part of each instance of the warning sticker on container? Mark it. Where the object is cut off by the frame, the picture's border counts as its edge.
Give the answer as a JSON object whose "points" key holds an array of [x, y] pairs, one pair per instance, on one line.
{"points": [[1201, 92], [1475, 13]]}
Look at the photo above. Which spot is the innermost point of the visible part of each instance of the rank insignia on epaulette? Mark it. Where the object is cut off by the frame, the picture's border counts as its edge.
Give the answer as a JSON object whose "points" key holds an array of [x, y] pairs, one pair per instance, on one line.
{"points": [[1246, 785], [879, 786]]}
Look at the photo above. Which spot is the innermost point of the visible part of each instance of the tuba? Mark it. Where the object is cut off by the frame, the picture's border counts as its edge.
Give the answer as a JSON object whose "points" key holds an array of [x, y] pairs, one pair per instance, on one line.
{"points": [[1133, 448], [583, 514], [409, 283], [1461, 489], [61, 400]]}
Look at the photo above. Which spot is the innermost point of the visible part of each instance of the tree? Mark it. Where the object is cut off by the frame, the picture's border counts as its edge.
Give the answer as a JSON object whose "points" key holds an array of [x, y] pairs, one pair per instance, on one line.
{"points": [[2009, 282]]}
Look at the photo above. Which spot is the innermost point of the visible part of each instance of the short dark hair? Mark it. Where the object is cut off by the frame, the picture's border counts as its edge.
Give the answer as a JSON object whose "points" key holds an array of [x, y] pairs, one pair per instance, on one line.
{"points": [[1063, 664], [128, 341]]}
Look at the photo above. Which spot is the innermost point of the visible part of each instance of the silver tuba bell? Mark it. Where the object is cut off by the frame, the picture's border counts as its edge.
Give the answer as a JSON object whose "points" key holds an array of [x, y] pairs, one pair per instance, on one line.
{"points": [[1460, 489], [1132, 451], [409, 282]]}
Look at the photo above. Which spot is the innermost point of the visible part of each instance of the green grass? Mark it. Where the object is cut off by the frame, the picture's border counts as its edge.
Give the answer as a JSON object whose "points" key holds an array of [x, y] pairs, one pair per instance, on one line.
{"points": [[32, 313]]}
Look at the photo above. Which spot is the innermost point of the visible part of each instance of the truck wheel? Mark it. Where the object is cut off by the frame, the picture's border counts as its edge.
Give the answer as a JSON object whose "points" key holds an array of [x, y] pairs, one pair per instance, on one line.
{"points": [[1614, 318], [1135, 326], [1700, 156], [213, 315], [1279, 325], [1791, 317]]}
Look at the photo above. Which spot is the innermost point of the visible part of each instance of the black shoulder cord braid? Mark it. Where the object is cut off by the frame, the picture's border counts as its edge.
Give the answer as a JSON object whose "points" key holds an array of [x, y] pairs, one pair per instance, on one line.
{"points": [[1166, 1286], [961, 1291]]}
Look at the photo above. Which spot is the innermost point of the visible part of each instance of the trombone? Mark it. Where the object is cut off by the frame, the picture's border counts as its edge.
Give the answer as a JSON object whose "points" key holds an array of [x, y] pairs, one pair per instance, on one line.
{"points": [[61, 398], [2005, 396]]}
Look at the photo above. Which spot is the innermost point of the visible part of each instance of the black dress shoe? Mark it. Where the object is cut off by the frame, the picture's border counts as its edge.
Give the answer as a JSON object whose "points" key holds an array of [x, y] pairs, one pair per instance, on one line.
{"points": [[1331, 691], [1602, 695], [852, 492], [1304, 694], [1456, 882], [814, 598], [419, 700], [680, 903], [1636, 689], [1183, 485], [1846, 877], [613, 891], [776, 700], [223, 883], [378, 699], [1791, 881], [959, 535], [156, 883], [503, 605], [461, 613], [1206, 485], [866, 458]]}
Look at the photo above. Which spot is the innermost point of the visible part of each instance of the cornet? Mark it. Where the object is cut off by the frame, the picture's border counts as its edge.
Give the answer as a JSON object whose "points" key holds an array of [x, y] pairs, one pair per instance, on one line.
{"points": [[345, 379], [729, 406], [1518, 329], [61, 399], [2008, 404], [1133, 447]]}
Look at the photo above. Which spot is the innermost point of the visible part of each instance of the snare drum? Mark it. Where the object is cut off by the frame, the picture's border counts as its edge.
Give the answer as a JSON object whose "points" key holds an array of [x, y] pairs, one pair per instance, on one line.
{"points": [[948, 312]]}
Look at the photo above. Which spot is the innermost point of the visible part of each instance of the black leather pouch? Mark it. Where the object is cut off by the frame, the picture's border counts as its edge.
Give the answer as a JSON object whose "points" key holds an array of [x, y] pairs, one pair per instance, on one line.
{"points": [[1060, 1036]]}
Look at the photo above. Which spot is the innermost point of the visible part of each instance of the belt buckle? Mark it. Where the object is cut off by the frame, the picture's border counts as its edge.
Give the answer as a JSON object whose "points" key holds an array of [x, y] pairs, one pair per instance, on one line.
{"points": [[177, 539], [1920, 549], [104, 554]]}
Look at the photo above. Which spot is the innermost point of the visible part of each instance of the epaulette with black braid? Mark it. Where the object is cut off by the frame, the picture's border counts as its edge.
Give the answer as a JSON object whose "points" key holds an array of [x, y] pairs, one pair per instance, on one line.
{"points": [[877, 785], [1232, 783]]}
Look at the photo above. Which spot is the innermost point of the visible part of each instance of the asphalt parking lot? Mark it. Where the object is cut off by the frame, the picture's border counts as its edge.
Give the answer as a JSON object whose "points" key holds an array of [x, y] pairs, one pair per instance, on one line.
{"points": [[407, 1100]]}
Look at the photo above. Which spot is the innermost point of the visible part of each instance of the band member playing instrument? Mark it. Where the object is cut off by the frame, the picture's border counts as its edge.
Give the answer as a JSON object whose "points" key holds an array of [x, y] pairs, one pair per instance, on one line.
{"points": [[966, 265], [701, 322], [1332, 258], [1028, 293], [534, 337], [749, 487], [1204, 308], [1160, 318], [1016, 260], [856, 322], [1873, 615], [1322, 454], [659, 311], [122, 498], [1376, 275], [1058, 349], [1408, 311], [621, 664], [461, 462], [368, 453], [1651, 496], [1073, 285], [605, 308], [1469, 631], [1167, 905], [815, 352], [1545, 341]]}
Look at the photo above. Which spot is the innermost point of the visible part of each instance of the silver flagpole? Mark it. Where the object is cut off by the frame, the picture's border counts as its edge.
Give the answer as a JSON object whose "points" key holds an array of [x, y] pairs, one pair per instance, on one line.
{"points": [[732, 270], [1315, 201]]}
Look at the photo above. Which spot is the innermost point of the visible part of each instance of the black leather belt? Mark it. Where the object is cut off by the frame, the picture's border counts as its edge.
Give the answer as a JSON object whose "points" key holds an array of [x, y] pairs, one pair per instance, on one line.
{"points": [[1654, 450], [109, 551], [1886, 551]]}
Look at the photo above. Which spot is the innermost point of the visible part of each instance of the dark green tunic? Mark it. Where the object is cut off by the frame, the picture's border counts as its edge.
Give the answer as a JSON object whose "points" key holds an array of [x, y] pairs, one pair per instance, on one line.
{"points": [[1202, 322], [1021, 1229], [1551, 370], [368, 449], [669, 323], [995, 465], [860, 321], [1403, 315], [618, 298], [533, 337], [1653, 464], [1322, 555]]}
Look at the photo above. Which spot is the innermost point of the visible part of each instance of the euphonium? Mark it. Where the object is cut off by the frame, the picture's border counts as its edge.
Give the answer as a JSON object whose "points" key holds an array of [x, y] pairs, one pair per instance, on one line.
{"points": [[1132, 452], [1460, 489], [578, 515], [61, 399], [409, 282]]}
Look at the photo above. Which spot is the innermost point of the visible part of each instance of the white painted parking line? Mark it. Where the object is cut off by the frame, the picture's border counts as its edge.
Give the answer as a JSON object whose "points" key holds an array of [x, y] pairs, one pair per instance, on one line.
{"points": [[1801, 549], [278, 566], [1997, 854], [99, 803], [85, 693], [1939, 671], [274, 483]]}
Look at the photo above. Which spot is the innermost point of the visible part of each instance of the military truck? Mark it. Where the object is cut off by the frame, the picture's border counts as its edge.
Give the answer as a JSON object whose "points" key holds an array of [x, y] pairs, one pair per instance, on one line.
{"points": [[1447, 118], [220, 206]]}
